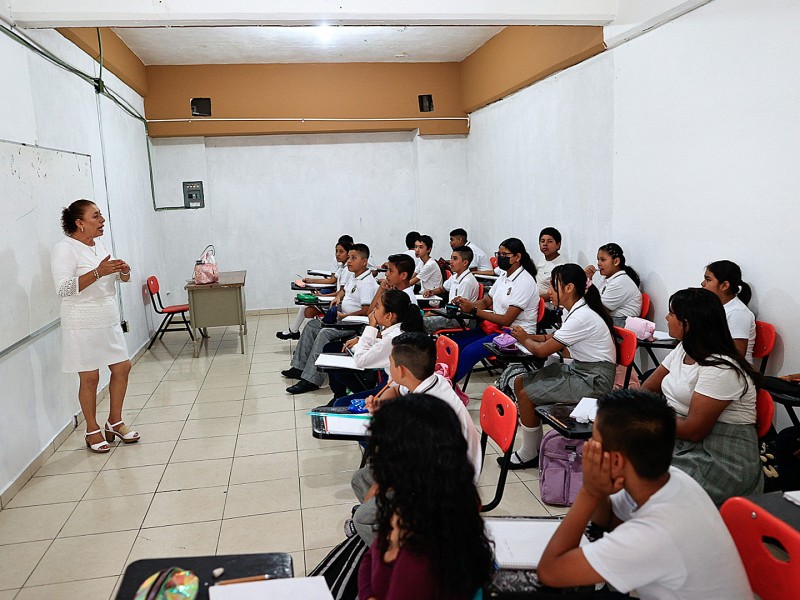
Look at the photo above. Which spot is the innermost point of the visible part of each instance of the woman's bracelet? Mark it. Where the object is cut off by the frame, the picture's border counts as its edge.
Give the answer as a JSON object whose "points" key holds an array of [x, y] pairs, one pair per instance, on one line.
{"points": [[124, 274], [96, 274]]}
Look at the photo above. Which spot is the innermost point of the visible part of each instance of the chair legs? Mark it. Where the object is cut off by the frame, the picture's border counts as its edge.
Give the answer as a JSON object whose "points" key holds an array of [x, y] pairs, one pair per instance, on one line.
{"points": [[165, 327]]}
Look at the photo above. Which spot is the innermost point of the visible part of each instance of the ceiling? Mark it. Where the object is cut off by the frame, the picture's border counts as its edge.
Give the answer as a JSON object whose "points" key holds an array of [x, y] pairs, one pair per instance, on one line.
{"points": [[320, 44]]}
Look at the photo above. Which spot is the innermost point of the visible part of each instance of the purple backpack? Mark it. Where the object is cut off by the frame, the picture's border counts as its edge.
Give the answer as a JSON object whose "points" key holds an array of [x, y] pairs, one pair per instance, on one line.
{"points": [[560, 469]]}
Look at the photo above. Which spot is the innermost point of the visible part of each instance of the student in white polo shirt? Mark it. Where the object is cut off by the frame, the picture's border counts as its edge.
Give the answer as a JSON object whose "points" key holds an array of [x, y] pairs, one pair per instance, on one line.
{"points": [[429, 275], [664, 537], [353, 300], [619, 286], [587, 332], [461, 284], [512, 300], [724, 278], [480, 262]]}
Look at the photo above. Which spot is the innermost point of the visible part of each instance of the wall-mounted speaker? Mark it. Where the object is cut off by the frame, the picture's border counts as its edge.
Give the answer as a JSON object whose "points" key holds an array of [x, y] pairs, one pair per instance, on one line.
{"points": [[425, 103], [201, 107]]}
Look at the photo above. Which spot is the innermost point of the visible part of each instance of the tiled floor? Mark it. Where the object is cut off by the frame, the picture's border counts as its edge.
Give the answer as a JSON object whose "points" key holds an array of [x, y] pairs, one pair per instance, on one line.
{"points": [[227, 464]]}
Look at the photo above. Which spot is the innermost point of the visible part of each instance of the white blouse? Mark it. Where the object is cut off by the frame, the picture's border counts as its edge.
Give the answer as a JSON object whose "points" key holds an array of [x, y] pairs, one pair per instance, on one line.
{"points": [[95, 306]]}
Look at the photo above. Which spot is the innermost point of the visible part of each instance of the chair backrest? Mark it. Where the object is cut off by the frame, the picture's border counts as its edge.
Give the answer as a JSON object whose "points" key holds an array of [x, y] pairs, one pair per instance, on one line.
{"points": [[447, 353], [447, 274], [626, 346], [498, 420], [540, 310], [765, 412], [765, 342], [152, 285], [155, 295], [771, 578], [645, 306], [481, 291], [498, 417], [493, 261]]}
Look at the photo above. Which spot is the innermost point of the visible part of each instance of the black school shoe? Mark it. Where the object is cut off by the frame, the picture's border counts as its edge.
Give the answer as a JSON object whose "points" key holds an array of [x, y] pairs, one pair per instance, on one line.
{"points": [[301, 387], [288, 335], [528, 464], [292, 373]]}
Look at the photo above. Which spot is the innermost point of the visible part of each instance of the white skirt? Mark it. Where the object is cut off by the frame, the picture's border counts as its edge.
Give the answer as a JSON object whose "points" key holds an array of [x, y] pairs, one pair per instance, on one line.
{"points": [[92, 349]]}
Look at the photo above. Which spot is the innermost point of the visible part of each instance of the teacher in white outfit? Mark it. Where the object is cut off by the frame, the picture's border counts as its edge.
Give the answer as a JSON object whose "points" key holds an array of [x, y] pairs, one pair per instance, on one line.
{"points": [[85, 277]]}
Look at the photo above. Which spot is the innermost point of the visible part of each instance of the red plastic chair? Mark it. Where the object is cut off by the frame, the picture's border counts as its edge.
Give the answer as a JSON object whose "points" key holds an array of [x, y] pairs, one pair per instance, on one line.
{"points": [[765, 342], [771, 578], [498, 418], [765, 412], [447, 353], [626, 351], [169, 312], [493, 261], [645, 306]]}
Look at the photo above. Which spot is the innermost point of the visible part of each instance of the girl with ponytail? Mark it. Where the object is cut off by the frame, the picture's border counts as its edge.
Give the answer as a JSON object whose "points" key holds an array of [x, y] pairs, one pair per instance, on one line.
{"points": [[394, 314], [587, 332], [724, 278], [513, 300], [619, 288]]}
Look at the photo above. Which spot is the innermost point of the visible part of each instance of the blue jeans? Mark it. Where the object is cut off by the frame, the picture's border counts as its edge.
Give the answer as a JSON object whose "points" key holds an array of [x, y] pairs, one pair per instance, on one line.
{"points": [[470, 350]]}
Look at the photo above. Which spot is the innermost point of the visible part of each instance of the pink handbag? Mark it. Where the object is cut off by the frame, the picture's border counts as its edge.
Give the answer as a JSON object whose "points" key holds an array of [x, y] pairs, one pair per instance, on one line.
{"points": [[205, 268]]}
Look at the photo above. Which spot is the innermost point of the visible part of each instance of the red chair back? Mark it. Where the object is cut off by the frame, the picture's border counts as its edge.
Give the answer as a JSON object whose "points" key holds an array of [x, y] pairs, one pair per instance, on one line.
{"points": [[152, 285], [765, 342], [645, 306], [493, 261], [447, 353], [447, 274], [498, 420], [626, 346], [750, 525], [765, 412], [540, 310], [481, 291], [498, 417]]}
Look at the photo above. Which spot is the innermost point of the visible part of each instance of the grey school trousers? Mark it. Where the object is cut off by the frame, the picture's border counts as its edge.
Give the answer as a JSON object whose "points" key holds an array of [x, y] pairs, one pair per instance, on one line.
{"points": [[365, 518], [312, 341]]}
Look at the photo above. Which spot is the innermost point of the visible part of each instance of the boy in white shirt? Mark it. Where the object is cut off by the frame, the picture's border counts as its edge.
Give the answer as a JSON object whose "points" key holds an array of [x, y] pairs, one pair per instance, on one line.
{"points": [[411, 364], [550, 247], [429, 275], [352, 300], [480, 262], [461, 284], [666, 539]]}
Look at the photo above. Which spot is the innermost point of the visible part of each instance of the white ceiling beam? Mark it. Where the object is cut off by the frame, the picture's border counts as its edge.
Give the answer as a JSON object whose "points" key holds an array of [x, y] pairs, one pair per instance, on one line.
{"points": [[154, 13]]}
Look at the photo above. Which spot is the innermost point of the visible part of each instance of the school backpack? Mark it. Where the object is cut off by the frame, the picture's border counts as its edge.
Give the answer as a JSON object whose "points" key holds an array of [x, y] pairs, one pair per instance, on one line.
{"points": [[560, 469]]}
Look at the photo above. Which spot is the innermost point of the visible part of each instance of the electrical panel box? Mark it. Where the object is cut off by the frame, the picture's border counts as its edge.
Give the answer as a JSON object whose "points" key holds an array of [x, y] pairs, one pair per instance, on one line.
{"points": [[193, 194]]}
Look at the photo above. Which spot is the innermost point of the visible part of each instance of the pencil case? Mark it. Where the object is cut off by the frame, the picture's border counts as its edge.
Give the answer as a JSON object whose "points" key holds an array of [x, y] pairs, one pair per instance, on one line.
{"points": [[173, 583], [309, 298]]}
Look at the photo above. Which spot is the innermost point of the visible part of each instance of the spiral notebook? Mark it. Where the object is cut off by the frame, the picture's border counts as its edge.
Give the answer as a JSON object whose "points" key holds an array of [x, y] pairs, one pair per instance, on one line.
{"points": [[518, 542]]}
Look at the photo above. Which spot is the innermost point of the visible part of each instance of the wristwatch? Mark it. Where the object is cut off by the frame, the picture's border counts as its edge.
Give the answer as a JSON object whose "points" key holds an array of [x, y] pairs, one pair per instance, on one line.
{"points": [[474, 311]]}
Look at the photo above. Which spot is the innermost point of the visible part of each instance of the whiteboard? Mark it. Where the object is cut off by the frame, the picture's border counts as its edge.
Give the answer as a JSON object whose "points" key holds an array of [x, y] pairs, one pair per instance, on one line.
{"points": [[35, 185]]}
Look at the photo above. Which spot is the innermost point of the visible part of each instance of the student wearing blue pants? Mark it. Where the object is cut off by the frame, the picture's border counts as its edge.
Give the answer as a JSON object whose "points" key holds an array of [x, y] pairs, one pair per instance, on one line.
{"points": [[512, 300]]}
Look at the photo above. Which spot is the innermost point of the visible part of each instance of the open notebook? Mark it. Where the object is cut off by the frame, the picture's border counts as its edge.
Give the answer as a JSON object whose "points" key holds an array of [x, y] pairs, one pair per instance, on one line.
{"points": [[520, 543], [307, 588]]}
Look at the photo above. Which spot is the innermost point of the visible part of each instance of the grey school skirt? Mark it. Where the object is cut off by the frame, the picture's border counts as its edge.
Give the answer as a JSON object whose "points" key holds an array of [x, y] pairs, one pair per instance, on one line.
{"points": [[726, 463], [561, 382]]}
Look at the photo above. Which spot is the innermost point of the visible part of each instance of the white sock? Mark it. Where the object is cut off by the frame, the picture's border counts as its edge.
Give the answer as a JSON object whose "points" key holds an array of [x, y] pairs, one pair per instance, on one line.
{"points": [[531, 440], [298, 320]]}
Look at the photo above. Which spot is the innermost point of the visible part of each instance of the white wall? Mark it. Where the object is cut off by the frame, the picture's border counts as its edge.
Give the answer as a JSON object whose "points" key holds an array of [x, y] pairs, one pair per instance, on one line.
{"points": [[47, 106], [275, 205], [543, 157], [680, 145]]}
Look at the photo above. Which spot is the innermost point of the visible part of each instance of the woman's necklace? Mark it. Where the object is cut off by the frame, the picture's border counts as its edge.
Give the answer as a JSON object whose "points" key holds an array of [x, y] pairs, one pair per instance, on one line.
{"points": [[92, 247]]}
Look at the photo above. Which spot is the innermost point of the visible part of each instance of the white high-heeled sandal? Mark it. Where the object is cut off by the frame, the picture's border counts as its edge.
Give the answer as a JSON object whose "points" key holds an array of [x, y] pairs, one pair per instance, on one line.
{"points": [[99, 447], [125, 434]]}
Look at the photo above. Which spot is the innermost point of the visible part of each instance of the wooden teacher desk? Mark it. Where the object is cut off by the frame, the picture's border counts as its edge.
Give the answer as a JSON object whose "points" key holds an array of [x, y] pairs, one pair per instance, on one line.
{"points": [[218, 304]]}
